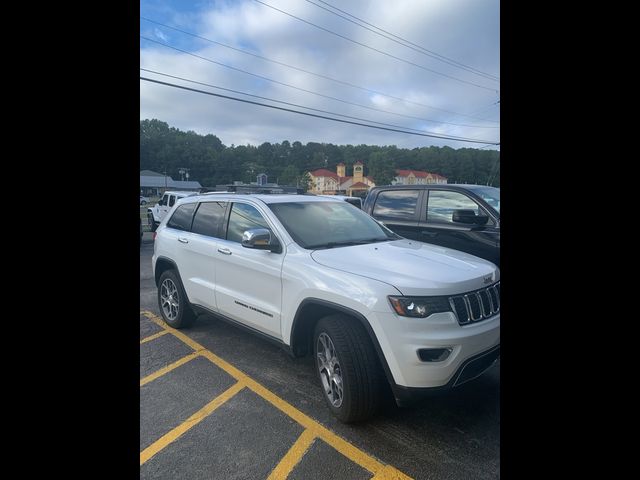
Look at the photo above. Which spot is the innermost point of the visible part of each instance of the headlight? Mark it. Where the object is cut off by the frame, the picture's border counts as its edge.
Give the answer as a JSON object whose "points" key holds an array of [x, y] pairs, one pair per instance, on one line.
{"points": [[419, 307]]}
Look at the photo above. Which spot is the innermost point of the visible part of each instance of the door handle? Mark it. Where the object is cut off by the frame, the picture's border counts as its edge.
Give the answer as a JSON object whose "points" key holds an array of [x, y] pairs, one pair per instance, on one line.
{"points": [[225, 251], [183, 240]]}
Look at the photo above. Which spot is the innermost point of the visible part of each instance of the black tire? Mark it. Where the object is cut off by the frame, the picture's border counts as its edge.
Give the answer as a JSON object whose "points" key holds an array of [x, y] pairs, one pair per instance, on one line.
{"points": [[143, 203], [184, 315], [358, 364], [152, 224]]}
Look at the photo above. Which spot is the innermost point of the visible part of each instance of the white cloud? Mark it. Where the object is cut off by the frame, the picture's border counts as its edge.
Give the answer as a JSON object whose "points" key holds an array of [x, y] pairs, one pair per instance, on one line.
{"points": [[465, 30], [158, 33]]}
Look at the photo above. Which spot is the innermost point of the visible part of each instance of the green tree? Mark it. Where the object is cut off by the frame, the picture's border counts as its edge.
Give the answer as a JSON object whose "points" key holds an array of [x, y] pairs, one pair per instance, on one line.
{"points": [[289, 175], [381, 169], [165, 148], [304, 181]]}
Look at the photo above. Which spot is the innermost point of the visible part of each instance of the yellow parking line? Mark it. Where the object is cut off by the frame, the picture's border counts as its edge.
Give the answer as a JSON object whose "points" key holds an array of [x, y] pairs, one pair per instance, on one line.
{"points": [[168, 368], [190, 422], [390, 473], [380, 470], [293, 456], [153, 337]]}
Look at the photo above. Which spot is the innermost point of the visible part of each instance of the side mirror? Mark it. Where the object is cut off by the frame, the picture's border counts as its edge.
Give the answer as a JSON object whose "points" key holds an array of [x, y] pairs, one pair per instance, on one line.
{"points": [[469, 217], [260, 239]]}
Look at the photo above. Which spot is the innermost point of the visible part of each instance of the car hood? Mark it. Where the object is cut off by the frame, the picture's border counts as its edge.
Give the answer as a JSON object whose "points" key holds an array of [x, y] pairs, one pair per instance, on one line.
{"points": [[414, 268]]}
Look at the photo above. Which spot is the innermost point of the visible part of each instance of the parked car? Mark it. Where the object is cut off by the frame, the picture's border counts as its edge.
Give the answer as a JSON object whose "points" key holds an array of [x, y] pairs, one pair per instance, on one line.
{"points": [[319, 277], [143, 200], [156, 213], [462, 217]]}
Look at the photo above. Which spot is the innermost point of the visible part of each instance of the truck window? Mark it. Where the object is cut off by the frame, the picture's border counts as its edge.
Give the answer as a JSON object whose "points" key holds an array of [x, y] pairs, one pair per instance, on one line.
{"points": [[396, 204], [441, 205]]}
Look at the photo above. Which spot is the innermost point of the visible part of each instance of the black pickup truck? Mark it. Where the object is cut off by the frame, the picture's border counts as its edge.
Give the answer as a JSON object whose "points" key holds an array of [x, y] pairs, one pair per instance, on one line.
{"points": [[462, 217]]}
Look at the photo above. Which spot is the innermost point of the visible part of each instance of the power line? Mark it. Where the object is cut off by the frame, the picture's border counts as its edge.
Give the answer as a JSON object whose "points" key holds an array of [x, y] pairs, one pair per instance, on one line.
{"points": [[326, 77], [294, 87], [442, 137], [288, 103], [483, 109], [377, 50], [399, 40]]}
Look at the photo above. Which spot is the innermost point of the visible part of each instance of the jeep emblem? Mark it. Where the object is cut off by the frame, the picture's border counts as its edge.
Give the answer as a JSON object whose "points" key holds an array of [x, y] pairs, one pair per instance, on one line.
{"points": [[488, 279]]}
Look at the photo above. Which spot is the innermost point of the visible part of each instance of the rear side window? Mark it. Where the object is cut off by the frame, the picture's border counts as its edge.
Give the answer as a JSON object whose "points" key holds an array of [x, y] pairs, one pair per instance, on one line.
{"points": [[243, 217], [172, 200], [396, 204], [208, 219], [181, 218]]}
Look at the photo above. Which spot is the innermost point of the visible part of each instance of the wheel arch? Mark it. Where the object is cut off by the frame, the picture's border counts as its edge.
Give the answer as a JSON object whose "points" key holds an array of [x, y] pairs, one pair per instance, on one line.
{"points": [[310, 311], [162, 265]]}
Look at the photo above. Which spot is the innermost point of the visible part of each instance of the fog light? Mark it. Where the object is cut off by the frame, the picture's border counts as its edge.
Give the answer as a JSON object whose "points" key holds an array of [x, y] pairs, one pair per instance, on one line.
{"points": [[434, 354]]}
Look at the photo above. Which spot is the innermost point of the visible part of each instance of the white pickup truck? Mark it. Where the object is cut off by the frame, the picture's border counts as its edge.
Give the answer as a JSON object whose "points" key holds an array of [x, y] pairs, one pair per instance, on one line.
{"points": [[156, 213]]}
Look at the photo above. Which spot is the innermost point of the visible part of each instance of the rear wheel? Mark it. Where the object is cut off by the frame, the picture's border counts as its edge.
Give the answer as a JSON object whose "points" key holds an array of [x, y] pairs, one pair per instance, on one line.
{"points": [[174, 306], [347, 367]]}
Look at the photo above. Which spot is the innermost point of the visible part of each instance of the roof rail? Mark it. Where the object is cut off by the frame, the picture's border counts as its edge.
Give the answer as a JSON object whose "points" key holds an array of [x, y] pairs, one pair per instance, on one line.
{"points": [[260, 189]]}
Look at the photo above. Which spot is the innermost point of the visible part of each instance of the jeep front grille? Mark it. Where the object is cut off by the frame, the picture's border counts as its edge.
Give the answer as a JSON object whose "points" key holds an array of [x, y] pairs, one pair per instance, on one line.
{"points": [[477, 305]]}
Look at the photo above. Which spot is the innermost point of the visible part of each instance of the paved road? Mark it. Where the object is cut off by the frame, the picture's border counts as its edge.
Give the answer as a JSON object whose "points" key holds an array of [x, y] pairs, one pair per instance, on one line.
{"points": [[217, 402]]}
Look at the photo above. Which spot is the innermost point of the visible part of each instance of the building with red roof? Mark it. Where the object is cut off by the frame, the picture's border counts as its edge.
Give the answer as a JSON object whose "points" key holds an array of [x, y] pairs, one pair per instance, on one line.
{"points": [[417, 177], [326, 182]]}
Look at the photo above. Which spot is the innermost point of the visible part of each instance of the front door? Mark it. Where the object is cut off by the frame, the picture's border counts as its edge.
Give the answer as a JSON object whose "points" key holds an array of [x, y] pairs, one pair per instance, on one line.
{"points": [[440, 229], [248, 281]]}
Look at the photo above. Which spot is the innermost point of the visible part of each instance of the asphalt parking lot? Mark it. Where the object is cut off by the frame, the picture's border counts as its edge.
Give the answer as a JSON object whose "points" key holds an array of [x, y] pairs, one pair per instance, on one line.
{"points": [[217, 402]]}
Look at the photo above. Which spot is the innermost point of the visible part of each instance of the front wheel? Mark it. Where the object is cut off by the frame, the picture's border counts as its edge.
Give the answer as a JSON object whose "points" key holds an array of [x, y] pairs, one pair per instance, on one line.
{"points": [[347, 367]]}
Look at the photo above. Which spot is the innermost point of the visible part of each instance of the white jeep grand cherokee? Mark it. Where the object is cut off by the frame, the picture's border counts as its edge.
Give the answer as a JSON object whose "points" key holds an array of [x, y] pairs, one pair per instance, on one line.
{"points": [[319, 276]]}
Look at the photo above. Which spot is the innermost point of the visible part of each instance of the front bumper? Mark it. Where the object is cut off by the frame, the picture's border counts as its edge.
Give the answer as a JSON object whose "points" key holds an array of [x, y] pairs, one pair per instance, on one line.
{"points": [[471, 368], [401, 338]]}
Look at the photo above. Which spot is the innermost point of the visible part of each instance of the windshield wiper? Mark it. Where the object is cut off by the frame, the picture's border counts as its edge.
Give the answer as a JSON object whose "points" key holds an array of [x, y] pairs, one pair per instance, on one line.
{"points": [[347, 243]]}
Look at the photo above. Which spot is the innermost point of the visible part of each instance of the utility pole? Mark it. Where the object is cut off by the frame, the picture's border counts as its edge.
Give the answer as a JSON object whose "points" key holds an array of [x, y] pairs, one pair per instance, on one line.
{"points": [[182, 173]]}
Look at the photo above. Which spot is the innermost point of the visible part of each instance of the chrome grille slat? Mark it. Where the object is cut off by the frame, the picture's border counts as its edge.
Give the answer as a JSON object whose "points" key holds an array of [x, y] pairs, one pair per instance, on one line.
{"points": [[477, 305]]}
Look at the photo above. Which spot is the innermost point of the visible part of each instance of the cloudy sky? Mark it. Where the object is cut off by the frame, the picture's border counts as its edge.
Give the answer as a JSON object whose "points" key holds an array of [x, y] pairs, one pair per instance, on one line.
{"points": [[219, 43]]}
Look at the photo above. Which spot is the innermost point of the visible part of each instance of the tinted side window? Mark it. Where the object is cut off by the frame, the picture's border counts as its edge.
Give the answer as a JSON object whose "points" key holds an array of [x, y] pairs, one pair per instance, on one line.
{"points": [[172, 200], [208, 218], [181, 218], [243, 217], [163, 200], [441, 205], [396, 204]]}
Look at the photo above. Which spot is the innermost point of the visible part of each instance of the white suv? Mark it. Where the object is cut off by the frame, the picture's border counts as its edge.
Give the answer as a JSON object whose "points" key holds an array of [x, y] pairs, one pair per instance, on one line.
{"points": [[157, 213], [317, 276]]}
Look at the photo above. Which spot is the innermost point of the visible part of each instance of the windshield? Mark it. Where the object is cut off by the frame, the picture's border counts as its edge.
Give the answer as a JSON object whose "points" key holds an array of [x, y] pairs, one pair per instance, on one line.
{"points": [[316, 225], [491, 195]]}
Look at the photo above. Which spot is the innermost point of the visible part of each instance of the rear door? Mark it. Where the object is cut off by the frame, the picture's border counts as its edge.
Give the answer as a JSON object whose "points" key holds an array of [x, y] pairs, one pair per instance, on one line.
{"points": [[248, 281], [399, 210], [438, 228], [200, 253], [178, 235]]}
